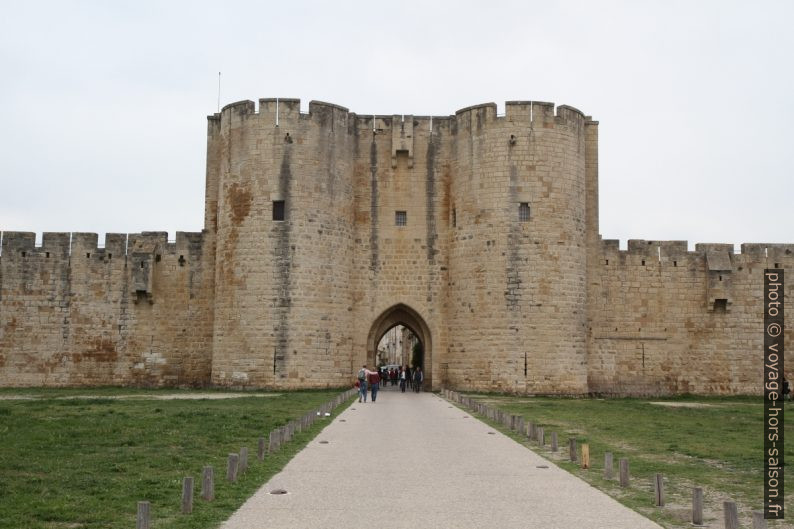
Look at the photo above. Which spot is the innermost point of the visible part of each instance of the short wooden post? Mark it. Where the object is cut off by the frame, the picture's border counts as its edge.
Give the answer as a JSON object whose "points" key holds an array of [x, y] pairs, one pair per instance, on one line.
{"points": [[624, 472], [231, 467], [260, 452], [697, 506], [585, 456], [243, 465], [658, 489], [541, 436], [187, 495], [608, 465], [553, 441], [731, 515], [758, 520], [272, 441], [572, 448], [208, 484], [143, 515]]}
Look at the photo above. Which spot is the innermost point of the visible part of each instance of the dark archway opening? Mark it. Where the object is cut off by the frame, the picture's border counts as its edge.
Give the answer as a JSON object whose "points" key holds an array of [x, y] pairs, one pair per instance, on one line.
{"points": [[400, 336]]}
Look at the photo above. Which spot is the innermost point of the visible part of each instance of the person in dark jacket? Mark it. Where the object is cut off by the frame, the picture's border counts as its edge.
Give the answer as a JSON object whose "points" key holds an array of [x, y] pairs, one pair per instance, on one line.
{"points": [[419, 377], [373, 379]]}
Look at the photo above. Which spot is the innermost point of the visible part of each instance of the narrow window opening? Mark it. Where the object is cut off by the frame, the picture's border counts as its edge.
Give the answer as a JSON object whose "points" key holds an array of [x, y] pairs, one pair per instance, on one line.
{"points": [[523, 212], [643, 262], [24, 254], [607, 262], [675, 263], [181, 260], [720, 305], [88, 256], [777, 265], [454, 217], [110, 256], [720, 278], [278, 210], [157, 258], [47, 254], [400, 218], [141, 264]]}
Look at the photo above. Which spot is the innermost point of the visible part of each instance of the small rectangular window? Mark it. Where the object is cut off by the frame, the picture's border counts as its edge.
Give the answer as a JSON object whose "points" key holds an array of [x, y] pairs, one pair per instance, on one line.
{"points": [[454, 217], [400, 218], [278, 210], [523, 212], [720, 305]]}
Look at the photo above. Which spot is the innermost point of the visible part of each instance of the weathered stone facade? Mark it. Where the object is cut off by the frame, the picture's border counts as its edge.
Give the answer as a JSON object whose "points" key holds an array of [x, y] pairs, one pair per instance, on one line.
{"points": [[479, 232]]}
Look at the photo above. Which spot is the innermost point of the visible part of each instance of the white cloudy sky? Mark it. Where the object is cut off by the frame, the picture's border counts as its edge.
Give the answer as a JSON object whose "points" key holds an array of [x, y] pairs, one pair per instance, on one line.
{"points": [[104, 104]]}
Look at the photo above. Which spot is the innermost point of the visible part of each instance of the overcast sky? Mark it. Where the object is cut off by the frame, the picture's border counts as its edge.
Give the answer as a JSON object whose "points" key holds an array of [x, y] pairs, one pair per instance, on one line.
{"points": [[104, 104]]}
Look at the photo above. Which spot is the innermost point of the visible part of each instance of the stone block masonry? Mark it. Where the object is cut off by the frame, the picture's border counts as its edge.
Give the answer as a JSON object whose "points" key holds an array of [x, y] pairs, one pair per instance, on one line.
{"points": [[325, 229]]}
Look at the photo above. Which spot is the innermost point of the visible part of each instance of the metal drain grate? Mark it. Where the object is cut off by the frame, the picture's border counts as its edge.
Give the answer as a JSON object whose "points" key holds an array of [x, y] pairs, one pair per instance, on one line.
{"points": [[278, 491]]}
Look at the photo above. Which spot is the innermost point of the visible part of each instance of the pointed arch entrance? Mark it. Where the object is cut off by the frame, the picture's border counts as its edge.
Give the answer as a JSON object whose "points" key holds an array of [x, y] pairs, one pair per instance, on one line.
{"points": [[401, 314]]}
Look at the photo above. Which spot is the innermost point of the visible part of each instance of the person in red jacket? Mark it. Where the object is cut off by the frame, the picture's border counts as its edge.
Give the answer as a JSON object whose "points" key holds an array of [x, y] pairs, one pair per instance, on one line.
{"points": [[373, 380]]}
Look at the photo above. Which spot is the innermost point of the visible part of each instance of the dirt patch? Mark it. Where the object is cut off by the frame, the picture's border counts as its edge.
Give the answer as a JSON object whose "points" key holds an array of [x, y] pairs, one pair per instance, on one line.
{"points": [[684, 404]]}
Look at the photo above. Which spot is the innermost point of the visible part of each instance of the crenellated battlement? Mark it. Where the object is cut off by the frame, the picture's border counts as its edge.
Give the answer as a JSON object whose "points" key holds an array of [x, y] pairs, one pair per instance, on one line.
{"points": [[285, 112], [19, 245], [716, 255]]}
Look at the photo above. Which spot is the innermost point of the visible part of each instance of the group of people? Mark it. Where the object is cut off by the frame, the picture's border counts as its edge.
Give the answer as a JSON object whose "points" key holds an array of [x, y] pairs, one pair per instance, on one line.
{"points": [[372, 379]]}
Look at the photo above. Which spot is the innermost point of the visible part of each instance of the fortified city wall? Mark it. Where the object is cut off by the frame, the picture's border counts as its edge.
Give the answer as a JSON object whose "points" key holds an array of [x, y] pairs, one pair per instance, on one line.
{"points": [[477, 231], [134, 312]]}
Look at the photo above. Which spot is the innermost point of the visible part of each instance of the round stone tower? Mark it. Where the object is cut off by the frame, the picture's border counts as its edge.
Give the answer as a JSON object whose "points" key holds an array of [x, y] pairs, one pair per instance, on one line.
{"points": [[279, 210], [517, 250]]}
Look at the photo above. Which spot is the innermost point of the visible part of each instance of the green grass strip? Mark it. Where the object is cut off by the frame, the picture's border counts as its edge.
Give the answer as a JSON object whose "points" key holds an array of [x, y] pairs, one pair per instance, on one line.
{"points": [[83, 458]]}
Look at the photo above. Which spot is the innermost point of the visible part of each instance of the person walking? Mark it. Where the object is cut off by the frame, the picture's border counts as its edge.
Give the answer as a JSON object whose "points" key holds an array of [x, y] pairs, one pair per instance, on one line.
{"points": [[373, 379], [402, 379], [418, 379], [362, 383]]}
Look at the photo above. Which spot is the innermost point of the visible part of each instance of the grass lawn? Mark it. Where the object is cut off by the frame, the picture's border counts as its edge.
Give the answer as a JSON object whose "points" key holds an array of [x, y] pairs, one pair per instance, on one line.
{"points": [[83, 458], [713, 443]]}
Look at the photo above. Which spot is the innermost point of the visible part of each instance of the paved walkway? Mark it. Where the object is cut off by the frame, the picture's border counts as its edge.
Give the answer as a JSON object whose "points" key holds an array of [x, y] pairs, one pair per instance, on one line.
{"points": [[414, 461]]}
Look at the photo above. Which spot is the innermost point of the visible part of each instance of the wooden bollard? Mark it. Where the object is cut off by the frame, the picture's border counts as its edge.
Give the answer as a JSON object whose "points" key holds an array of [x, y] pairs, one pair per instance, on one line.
{"points": [[273, 441], [231, 467], [585, 456], [658, 489], [142, 521], [758, 520], [260, 449], [243, 464], [541, 436], [208, 484], [553, 441], [187, 495], [624, 472], [608, 465], [731, 515], [697, 506], [572, 448]]}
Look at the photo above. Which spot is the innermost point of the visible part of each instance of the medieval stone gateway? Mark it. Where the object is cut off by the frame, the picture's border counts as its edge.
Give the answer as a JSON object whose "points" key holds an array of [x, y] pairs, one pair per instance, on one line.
{"points": [[322, 230]]}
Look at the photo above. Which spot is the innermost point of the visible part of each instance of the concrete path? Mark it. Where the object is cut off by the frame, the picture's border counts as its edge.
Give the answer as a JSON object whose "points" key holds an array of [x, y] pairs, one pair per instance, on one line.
{"points": [[414, 461]]}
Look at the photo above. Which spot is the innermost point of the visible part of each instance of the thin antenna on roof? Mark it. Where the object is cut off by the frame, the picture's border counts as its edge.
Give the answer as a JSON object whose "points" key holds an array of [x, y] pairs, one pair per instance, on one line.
{"points": [[219, 91]]}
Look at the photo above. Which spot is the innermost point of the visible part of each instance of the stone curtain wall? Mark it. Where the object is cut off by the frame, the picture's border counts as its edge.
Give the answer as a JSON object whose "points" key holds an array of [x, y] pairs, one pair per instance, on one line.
{"points": [[136, 312], [656, 328]]}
